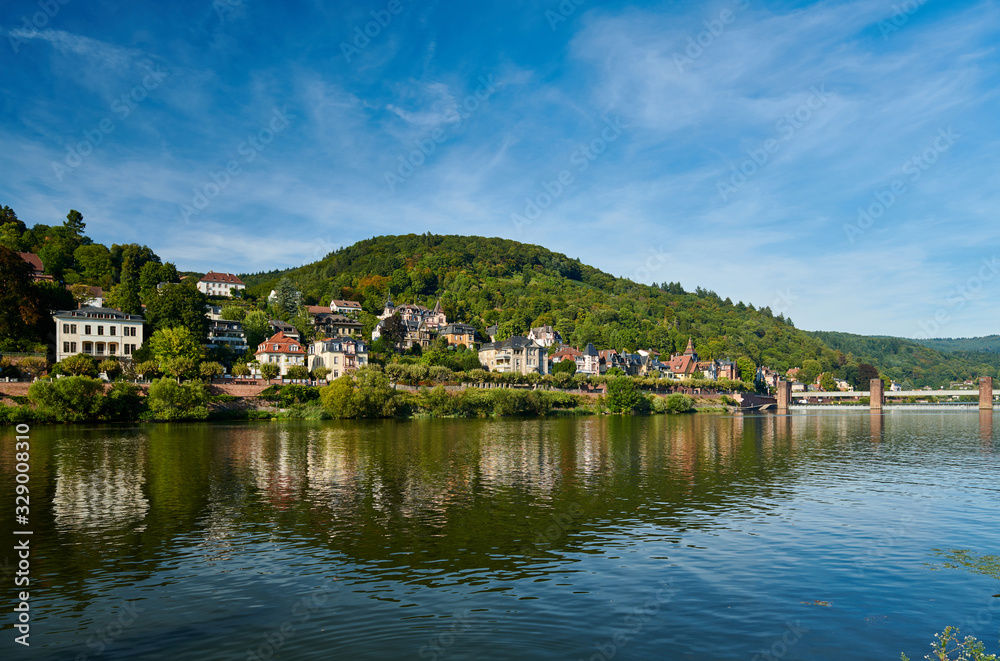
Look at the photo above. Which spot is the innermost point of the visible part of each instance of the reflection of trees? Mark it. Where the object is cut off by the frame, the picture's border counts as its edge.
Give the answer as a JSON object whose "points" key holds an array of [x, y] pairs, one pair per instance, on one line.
{"points": [[429, 498]]}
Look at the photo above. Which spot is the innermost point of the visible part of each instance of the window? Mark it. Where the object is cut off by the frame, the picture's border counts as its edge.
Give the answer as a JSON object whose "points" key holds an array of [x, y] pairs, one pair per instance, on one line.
{"points": [[72, 347], [66, 328], [112, 349], [72, 329], [100, 330], [275, 347], [111, 331], [65, 347], [86, 329], [128, 348]]}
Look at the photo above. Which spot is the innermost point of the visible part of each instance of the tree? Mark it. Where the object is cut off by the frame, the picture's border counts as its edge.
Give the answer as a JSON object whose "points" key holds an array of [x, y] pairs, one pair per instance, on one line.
{"points": [[33, 366], [149, 277], [74, 222], [866, 373], [79, 365], [565, 367], [147, 369], [623, 396], [393, 331], [257, 328], [297, 372], [320, 373], [679, 403], [827, 383], [269, 370], [810, 370], [125, 295], [286, 297], [111, 367], [122, 402], [241, 369], [21, 309], [178, 305], [93, 263], [211, 370], [747, 369], [234, 313], [303, 323], [72, 399], [176, 352], [169, 400]]}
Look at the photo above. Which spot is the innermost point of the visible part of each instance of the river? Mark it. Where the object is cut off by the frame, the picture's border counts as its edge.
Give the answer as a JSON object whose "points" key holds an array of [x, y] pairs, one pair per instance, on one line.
{"points": [[809, 536]]}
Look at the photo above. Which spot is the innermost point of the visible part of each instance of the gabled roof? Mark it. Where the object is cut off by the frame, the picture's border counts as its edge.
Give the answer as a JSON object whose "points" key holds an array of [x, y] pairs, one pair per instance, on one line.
{"points": [[345, 304], [285, 344], [229, 278], [33, 259], [514, 342], [567, 351], [458, 329], [318, 309]]}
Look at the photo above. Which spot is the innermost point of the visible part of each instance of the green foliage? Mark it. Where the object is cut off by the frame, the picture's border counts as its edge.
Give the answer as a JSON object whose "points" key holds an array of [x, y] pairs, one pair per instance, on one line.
{"points": [[22, 312], [320, 373], [569, 367], [79, 365], [178, 305], [122, 402], [679, 403], [70, 399], [147, 369], [297, 372], [169, 400], [987, 565], [623, 396], [290, 394], [233, 313], [111, 367], [170, 343], [211, 370], [241, 369], [366, 394], [180, 367], [269, 370], [287, 298], [255, 325], [950, 647]]}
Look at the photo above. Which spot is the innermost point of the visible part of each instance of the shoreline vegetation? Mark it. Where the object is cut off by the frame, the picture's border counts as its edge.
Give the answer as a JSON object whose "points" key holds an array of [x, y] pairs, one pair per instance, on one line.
{"points": [[367, 393]]}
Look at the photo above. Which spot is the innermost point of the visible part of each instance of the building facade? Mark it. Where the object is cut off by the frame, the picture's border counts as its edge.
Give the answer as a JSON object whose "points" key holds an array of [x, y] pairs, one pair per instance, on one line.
{"points": [[545, 335], [220, 284], [459, 334], [515, 354], [98, 332], [282, 351], [341, 355]]}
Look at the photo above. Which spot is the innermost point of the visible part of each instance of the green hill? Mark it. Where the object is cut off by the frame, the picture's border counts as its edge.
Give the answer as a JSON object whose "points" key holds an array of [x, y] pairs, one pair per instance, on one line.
{"points": [[989, 343]]}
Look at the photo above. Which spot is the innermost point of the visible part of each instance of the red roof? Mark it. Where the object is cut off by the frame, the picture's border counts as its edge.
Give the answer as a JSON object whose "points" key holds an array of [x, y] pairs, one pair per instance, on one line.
{"points": [[345, 304], [280, 343], [566, 351], [683, 364], [32, 259], [318, 309], [212, 276]]}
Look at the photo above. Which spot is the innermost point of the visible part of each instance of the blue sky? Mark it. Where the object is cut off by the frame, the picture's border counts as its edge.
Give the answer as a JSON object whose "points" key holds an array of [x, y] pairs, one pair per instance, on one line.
{"points": [[728, 145]]}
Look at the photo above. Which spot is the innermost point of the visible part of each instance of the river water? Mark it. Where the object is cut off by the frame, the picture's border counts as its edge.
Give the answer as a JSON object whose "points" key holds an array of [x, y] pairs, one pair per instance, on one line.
{"points": [[809, 536]]}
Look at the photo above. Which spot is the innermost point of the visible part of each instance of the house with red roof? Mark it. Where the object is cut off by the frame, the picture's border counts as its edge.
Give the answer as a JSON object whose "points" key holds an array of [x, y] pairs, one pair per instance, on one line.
{"points": [[220, 284], [685, 364], [281, 350], [38, 274]]}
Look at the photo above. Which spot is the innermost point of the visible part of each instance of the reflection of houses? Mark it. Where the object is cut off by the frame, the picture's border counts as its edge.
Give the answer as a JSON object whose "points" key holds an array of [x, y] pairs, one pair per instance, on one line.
{"points": [[340, 355], [516, 354], [281, 350], [98, 332], [459, 334], [220, 284], [545, 335], [100, 489]]}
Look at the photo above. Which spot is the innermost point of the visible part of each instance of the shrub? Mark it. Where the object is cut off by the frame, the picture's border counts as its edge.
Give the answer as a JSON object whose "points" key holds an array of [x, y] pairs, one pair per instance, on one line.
{"points": [[320, 373], [169, 400], [679, 403], [623, 396], [122, 402], [241, 369], [269, 370], [366, 394], [111, 367], [297, 372], [211, 369], [147, 369], [79, 365], [72, 399]]}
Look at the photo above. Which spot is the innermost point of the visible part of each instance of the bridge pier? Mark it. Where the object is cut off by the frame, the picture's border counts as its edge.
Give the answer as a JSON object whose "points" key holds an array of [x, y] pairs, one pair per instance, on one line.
{"points": [[986, 393], [877, 396], [784, 395]]}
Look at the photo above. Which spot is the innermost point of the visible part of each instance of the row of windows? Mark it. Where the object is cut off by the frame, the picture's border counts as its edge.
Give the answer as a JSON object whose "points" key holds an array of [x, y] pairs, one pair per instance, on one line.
{"points": [[99, 348], [127, 331]]}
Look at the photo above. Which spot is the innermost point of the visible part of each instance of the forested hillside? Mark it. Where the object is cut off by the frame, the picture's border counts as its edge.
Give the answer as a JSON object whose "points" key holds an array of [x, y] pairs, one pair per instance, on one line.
{"points": [[947, 344]]}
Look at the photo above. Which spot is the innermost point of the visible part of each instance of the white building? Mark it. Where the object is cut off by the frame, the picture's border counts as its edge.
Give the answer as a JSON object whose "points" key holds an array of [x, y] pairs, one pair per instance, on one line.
{"points": [[98, 332], [515, 354], [282, 351], [220, 284], [341, 355]]}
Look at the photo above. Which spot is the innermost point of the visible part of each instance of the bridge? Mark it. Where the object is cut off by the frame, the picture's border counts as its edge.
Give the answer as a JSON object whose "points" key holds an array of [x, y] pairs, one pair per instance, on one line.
{"points": [[877, 394]]}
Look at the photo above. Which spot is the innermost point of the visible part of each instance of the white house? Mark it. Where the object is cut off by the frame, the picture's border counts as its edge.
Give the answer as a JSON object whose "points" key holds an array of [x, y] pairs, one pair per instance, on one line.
{"points": [[282, 351], [98, 332], [341, 355], [220, 284]]}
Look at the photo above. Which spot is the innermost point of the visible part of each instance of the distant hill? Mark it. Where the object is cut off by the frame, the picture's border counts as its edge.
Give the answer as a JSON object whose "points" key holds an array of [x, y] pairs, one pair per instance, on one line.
{"points": [[485, 281], [989, 343]]}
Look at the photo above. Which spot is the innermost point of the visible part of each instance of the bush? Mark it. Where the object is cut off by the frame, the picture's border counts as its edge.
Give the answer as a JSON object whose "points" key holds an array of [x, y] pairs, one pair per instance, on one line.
{"points": [[169, 400], [564, 367], [623, 396], [111, 367], [211, 369], [366, 394], [269, 370], [122, 402], [297, 372], [679, 403], [72, 399], [241, 369], [147, 369], [320, 373]]}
